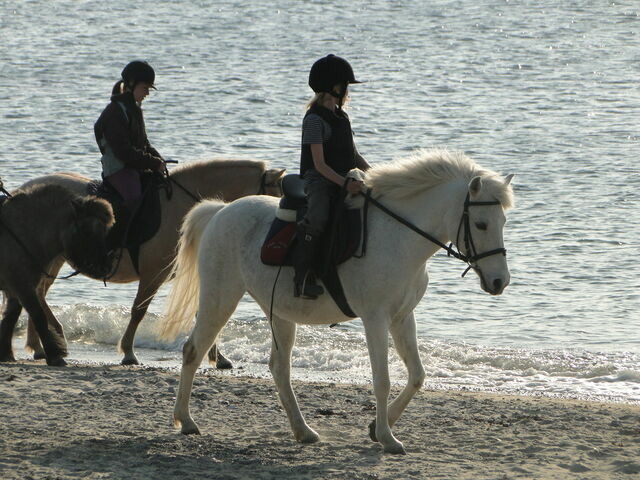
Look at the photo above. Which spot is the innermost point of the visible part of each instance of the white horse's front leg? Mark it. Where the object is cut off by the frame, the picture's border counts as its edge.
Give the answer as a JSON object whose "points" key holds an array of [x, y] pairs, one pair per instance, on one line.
{"points": [[377, 334], [405, 340], [284, 336]]}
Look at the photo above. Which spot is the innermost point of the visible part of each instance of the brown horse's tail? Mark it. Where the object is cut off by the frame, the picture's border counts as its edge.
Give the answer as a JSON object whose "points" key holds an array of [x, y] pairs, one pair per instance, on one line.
{"points": [[182, 301]]}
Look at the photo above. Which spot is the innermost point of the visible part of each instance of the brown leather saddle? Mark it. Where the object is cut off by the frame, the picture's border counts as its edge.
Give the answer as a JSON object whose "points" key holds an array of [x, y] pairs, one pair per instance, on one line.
{"points": [[132, 229], [340, 242]]}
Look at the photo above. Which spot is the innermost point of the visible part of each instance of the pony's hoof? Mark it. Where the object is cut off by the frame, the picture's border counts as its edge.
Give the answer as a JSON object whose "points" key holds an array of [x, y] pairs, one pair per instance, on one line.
{"points": [[372, 431], [39, 356], [7, 357], [396, 448], [56, 362]]}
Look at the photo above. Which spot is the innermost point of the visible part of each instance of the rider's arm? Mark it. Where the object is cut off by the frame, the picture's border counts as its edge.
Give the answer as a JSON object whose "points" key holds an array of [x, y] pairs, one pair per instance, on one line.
{"points": [[361, 163], [317, 153], [115, 129]]}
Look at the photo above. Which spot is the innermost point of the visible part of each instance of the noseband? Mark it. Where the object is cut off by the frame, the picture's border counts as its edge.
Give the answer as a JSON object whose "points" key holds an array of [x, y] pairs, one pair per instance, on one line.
{"points": [[468, 239], [451, 252]]}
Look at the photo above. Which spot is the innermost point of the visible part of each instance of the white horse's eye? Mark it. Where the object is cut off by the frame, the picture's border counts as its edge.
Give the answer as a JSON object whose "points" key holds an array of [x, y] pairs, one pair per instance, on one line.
{"points": [[481, 226]]}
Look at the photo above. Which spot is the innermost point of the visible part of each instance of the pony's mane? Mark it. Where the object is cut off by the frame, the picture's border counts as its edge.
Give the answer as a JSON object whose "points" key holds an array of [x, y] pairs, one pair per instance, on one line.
{"points": [[50, 196], [220, 163], [425, 169]]}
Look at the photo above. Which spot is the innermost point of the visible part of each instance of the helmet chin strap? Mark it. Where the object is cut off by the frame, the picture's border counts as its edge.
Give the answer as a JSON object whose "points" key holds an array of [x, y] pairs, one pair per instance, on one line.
{"points": [[339, 95]]}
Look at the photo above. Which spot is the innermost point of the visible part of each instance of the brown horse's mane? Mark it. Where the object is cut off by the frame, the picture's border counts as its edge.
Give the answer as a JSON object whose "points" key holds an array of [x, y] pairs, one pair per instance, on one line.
{"points": [[220, 163]]}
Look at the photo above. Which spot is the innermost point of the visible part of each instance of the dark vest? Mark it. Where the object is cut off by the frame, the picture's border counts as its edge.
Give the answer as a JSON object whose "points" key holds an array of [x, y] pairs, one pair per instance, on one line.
{"points": [[339, 151]]}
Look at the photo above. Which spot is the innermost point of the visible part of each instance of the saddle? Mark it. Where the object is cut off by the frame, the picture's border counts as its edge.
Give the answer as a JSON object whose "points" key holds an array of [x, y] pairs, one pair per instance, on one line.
{"points": [[132, 229], [339, 242]]}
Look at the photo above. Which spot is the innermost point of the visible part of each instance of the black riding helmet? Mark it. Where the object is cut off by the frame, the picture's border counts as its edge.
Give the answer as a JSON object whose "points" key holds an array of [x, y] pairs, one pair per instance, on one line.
{"points": [[136, 72], [330, 71]]}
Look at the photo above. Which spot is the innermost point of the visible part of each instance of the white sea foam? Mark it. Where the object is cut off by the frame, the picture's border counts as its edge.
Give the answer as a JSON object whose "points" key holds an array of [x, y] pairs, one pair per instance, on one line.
{"points": [[339, 355]]}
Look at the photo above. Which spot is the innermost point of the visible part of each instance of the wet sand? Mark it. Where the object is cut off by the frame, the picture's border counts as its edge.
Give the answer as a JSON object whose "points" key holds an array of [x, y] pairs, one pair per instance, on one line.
{"points": [[112, 422]]}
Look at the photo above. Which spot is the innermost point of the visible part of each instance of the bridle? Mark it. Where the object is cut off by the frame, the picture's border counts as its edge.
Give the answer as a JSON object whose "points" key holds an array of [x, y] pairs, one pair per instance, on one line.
{"points": [[468, 239], [464, 221], [264, 185]]}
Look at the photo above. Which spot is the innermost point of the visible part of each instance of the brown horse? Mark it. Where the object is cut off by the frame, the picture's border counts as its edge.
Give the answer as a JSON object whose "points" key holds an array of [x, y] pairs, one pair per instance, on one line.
{"points": [[38, 225], [223, 179]]}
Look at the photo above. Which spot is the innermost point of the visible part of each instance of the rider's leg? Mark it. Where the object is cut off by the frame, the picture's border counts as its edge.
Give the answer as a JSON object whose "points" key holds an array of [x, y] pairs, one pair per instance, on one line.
{"points": [[319, 196]]}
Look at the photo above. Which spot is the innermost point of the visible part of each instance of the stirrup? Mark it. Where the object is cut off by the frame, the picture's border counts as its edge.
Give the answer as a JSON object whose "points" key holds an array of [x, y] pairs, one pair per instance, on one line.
{"points": [[307, 291]]}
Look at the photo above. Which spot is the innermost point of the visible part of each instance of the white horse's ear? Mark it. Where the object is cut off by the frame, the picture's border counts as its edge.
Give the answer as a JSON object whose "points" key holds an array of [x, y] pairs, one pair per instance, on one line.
{"points": [[508, 178], [475, 185]]}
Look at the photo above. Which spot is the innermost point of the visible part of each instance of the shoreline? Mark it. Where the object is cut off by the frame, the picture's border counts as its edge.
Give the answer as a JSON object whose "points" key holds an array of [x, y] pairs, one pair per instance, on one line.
{"points": [[109, 421]]}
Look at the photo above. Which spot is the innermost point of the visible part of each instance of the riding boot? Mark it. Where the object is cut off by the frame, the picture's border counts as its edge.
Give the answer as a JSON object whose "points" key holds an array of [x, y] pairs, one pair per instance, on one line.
{"points": [[305, 285]]}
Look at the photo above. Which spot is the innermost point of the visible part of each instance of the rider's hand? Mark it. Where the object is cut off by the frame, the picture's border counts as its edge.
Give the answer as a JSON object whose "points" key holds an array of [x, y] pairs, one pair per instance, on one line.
{"points": [[354, 186], [159, 167]]}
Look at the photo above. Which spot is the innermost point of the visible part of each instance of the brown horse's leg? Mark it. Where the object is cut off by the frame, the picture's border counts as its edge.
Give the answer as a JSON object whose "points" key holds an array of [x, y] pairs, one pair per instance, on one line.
{"points": [[146, 291], [33, 341], [54, 345], [215, 357], [9, 319]]}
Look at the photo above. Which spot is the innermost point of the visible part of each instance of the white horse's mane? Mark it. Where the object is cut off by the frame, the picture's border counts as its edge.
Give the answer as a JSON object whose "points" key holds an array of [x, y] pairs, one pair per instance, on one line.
{"points": [[425, 169]]}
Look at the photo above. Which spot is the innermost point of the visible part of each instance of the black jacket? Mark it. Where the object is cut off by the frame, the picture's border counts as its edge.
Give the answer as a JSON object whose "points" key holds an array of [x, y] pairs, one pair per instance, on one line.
{"points": [[121, 124]]}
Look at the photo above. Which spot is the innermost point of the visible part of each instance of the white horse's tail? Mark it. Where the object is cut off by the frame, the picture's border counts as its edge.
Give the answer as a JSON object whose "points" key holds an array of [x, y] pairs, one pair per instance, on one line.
{"points": [[182, 303]]}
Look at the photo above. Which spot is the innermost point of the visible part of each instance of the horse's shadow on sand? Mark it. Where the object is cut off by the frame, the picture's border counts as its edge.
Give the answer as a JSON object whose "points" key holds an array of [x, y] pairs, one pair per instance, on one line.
{"points": [[203, 456]]}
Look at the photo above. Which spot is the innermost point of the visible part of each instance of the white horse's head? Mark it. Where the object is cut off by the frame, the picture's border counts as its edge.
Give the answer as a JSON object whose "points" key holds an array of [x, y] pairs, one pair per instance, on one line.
{"points": [[479, 234]]}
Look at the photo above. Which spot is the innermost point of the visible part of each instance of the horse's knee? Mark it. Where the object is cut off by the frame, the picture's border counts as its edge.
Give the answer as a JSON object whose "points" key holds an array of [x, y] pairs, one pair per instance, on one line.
{"points": [[188, 353]]}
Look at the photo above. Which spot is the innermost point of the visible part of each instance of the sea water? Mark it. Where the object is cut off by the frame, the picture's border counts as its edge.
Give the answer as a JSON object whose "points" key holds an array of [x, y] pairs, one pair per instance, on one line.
{"points": [[546, 90]]}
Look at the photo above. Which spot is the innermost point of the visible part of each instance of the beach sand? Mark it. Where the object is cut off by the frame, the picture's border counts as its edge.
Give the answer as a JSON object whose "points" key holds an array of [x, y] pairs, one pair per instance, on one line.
{"points": [[112, 422]]}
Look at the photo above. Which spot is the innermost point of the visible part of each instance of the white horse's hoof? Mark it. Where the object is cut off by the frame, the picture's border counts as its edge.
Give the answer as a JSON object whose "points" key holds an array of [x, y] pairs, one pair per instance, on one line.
{"points": [[188, 427], [396, 448], [309, 436]]}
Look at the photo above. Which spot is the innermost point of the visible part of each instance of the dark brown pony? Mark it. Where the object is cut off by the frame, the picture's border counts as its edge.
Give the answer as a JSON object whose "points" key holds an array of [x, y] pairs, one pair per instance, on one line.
{"points": [[223, 179], [38, 225]]}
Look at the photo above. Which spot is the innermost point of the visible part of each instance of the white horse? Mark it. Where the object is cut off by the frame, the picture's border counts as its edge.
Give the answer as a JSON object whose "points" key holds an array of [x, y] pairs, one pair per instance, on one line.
{"points": [[433, 190]]}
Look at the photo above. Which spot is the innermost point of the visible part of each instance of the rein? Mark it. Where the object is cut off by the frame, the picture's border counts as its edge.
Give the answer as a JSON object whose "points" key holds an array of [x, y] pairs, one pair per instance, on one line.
{"points": [[262, 189], [451, 252]]}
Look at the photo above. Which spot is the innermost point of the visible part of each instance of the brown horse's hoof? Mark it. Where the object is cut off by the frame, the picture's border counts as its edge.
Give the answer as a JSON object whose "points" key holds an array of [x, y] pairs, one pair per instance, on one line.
{"points": [[56, 362], [39, 356], [372, 431], [130, 361], [223, 363]]}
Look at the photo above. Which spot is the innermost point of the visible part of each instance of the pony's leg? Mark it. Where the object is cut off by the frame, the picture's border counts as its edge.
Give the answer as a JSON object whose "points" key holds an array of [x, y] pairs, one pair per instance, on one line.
{"points": [[284, 336], [9, 319], [54, 345], [214, 309], [33, 341], [147, 288], [377, 334], [405, 340]]}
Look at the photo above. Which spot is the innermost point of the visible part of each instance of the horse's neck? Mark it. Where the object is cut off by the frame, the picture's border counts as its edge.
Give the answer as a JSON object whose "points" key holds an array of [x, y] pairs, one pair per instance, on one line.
{"points": [[435, 211], [205, 181]]}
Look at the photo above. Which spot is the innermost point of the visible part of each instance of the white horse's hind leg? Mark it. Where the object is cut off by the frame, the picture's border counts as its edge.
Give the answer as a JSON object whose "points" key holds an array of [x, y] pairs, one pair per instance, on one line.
{"points": [[378, 344], [284, 336], [215, 308]]}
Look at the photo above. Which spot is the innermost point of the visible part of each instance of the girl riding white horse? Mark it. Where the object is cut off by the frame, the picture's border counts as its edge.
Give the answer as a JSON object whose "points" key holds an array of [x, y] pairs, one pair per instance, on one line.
{"points": [[445, 195]]}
